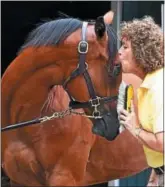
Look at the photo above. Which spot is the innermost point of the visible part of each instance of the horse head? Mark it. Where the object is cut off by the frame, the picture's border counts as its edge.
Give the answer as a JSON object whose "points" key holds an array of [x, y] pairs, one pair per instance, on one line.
{"points": [[93, 84], [81, 57]]}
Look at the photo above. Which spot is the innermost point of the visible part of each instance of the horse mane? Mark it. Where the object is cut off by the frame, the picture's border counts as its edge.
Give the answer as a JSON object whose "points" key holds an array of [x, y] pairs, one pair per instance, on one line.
{"points": [[51, 33], [54, 32]]}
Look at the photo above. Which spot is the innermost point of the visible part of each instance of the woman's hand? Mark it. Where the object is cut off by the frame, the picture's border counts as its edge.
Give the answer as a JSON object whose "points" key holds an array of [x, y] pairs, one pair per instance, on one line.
{"points": [[129, 120]]}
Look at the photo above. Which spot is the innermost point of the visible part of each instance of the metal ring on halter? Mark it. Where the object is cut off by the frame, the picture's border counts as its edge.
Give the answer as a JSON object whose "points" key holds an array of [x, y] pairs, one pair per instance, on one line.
{"points": [[96, 114], [97, 100]]}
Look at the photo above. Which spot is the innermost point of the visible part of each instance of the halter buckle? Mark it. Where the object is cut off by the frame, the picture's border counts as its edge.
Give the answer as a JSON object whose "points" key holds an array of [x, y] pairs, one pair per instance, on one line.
{"points": [[83, 47]]}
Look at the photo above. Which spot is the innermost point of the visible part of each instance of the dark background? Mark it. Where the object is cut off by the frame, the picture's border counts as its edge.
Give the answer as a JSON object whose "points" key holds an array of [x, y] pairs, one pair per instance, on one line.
{"points": [[19, 18]]}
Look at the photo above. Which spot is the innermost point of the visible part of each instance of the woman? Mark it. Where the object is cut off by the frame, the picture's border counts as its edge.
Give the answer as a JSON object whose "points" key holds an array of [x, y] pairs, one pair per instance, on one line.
{"points": [[141, 53]]}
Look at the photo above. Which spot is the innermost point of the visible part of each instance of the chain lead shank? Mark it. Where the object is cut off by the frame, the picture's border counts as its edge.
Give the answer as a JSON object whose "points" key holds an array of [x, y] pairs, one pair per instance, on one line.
{"points": [[67, 112]]}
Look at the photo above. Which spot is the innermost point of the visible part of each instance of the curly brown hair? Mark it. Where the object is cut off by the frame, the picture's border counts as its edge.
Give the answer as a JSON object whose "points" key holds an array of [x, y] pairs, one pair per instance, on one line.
{"points": [[147, 42]]}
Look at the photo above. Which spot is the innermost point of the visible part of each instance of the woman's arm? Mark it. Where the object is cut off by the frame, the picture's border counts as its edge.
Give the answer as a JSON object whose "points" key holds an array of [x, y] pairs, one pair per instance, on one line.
{"points": [[150, 140]]}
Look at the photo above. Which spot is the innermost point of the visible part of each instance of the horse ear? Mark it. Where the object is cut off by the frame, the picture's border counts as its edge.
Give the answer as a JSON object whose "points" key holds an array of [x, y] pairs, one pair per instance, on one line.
{"points": [[100, 27], [108, 17]]}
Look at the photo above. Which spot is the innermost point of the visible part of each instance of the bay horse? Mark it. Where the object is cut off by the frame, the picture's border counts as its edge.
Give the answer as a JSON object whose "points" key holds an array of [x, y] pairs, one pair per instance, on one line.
{"points": [[69, 151]]}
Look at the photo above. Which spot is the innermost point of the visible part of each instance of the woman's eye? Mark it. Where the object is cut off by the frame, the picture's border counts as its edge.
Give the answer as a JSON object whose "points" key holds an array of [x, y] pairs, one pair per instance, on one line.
{"points": [[125, 47]]}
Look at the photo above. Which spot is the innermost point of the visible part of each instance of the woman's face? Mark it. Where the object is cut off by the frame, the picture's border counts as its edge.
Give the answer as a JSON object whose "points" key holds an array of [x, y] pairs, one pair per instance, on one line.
{"points": [[126, 57]]}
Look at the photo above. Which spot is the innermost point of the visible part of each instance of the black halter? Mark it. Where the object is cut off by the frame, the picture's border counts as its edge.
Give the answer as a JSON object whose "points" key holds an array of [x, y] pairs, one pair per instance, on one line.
{"points": [[82, 69]]}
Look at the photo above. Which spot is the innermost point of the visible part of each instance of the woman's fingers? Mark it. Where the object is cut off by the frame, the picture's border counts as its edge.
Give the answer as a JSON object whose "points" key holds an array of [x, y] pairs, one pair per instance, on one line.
{"points": [[124, 112], [122, 117]]}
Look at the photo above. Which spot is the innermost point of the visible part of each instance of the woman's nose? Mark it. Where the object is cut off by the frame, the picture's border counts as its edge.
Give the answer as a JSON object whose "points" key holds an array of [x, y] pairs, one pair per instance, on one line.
{"points": [[119, 52]]}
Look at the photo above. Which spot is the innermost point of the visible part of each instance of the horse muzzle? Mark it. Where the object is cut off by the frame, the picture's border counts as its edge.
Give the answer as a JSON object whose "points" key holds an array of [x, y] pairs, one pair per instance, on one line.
{"points": [[107, 126]]}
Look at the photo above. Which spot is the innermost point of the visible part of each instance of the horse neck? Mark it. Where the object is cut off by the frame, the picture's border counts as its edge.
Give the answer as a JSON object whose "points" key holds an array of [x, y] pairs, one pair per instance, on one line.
{"points": [[32, 60], [37, 63]]}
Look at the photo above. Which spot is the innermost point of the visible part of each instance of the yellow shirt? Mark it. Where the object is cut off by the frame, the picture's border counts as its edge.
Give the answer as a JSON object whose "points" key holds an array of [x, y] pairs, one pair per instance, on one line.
{"points": [[150, 109]]}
